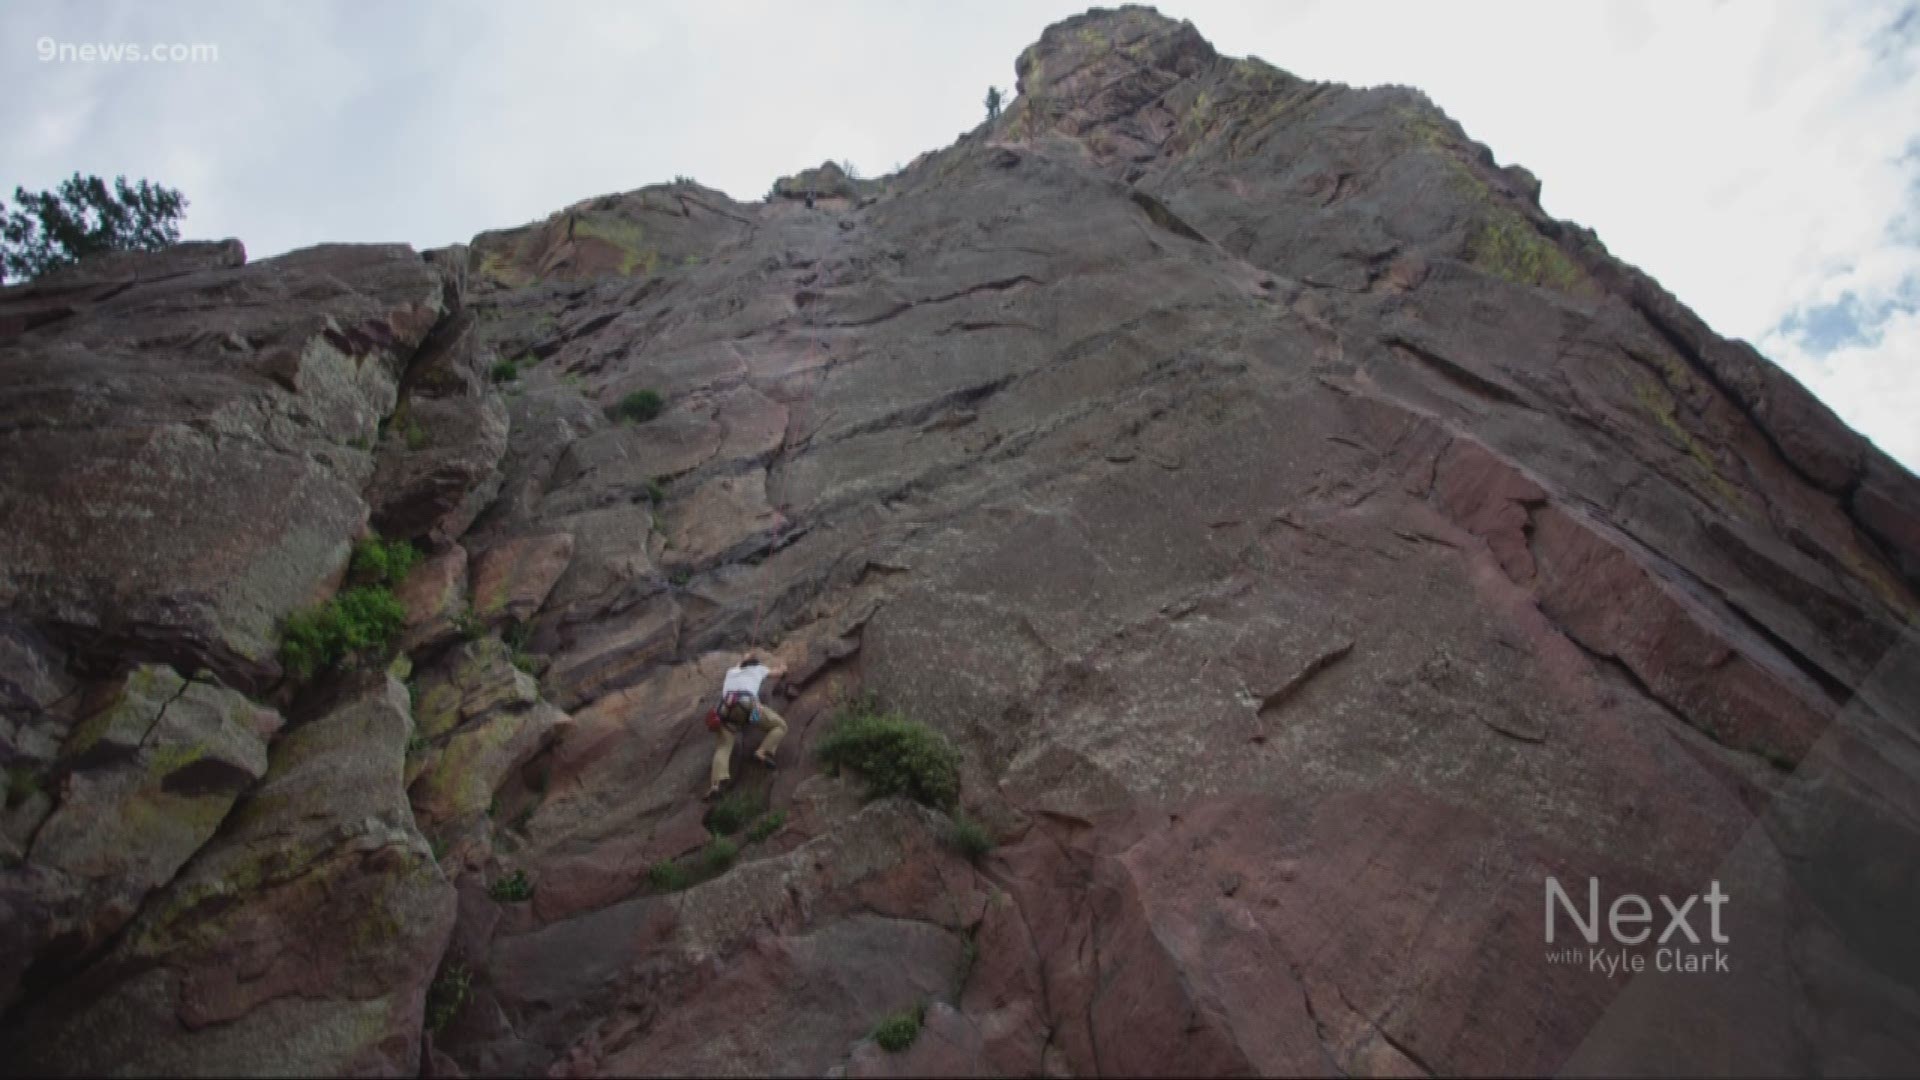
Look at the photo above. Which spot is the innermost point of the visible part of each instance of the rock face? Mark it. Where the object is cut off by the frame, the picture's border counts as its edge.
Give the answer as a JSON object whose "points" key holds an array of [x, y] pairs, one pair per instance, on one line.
{"points": [[201, 442], [300, 940], [1312, 548]]}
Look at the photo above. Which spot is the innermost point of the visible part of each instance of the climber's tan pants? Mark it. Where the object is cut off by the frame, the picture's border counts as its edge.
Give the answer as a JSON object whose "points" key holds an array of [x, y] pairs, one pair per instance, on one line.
{"points": [[776, 728]]}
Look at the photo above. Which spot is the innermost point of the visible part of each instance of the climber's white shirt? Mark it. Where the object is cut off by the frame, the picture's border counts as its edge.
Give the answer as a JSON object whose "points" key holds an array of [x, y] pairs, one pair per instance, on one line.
{"points": [[746, 679]]}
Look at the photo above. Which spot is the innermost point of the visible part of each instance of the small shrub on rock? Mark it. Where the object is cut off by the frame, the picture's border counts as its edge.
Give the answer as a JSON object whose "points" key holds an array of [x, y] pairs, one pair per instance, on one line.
{"points": [[378, 561], [669, 876], [640, 406], [766, 826], [898, 1031], [505, 371], [719, 855], [969, 837], [895, 755], [22, 784], [513, 887], [447, 996], [734, 810], [362, 618]]}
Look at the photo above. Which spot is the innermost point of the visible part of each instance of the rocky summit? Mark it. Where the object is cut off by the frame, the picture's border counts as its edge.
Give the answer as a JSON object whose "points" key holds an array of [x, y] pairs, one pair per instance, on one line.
{"points": [[1379, 632]]}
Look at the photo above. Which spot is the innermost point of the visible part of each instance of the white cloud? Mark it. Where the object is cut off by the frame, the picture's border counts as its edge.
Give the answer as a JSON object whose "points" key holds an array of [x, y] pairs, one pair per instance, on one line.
{"points": [[1758, 158], [1872, 386]]}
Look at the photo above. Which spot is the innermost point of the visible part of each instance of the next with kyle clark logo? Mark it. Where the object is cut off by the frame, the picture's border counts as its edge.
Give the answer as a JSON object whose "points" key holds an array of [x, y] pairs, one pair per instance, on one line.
{"points": [[1629, 923]]}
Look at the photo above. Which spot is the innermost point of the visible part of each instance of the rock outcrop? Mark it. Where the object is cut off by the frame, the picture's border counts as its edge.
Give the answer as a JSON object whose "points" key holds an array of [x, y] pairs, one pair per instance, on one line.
{"points": [[1309, 545]]}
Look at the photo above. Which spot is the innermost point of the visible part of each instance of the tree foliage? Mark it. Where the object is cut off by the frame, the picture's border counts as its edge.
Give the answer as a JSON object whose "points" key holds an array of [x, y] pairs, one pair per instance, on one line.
{"points": [[44, 230]]}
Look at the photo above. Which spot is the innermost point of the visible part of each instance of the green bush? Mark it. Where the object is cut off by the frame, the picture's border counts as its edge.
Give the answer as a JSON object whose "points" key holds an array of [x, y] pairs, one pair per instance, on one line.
{"points": [[898, 1031], [656, 492], [719, 855], [505, 371], [640, 406], [766, 826], [377, 561], [364, 617], [669, 876], [896, 756], [416, 435], [969, 837], [734, 810], [514, 886], [447, 996]]}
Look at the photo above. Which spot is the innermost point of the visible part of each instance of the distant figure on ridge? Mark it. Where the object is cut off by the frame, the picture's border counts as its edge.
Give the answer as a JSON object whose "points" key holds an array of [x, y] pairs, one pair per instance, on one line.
{"points": [[993, 104], [741, 707]]}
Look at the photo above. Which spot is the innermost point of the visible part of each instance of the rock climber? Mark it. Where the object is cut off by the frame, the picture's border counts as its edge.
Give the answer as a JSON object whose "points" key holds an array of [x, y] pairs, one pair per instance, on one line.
{"points": [[809, 198], [739, 708]]}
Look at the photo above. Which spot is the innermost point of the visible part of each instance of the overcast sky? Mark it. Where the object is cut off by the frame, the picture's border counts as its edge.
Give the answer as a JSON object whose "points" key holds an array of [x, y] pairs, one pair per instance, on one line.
{"points": [[1762, 160]]}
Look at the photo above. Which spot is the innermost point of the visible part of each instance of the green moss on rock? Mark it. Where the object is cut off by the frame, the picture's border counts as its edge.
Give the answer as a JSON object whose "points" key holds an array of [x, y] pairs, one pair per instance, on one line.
{"points": [[1507, 245]]}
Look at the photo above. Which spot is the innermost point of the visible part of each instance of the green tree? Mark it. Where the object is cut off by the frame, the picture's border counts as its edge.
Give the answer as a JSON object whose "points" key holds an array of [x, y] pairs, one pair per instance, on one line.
{"points": [[83, 216], [993, 104]]}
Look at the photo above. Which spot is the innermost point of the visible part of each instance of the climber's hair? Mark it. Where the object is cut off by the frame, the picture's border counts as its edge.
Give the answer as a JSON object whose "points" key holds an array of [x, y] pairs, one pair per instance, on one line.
{"points": [[749, 660]]}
